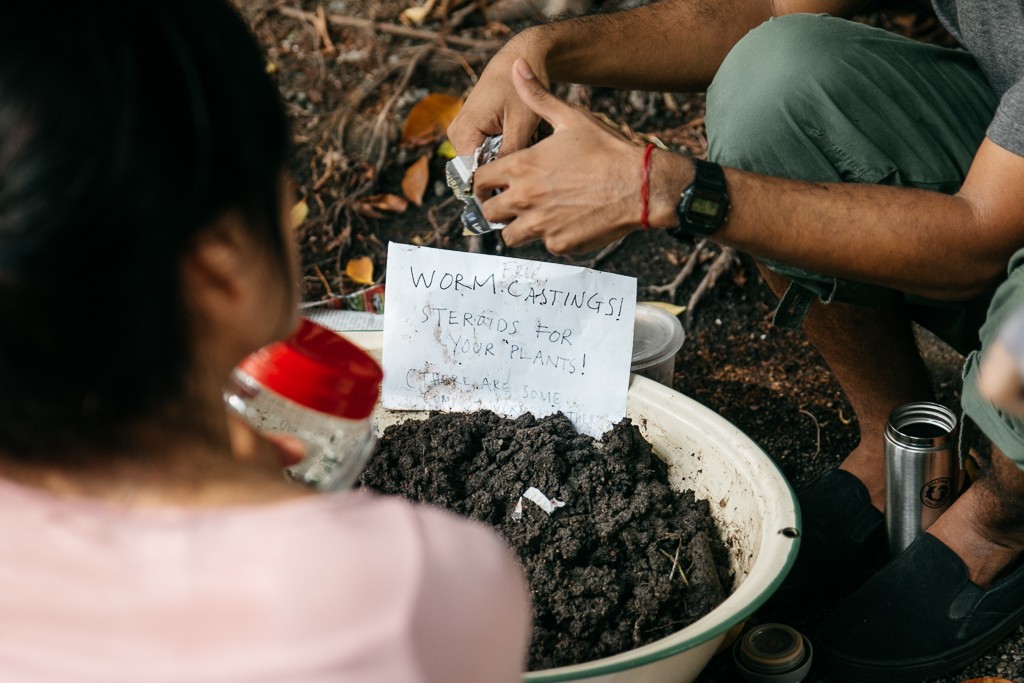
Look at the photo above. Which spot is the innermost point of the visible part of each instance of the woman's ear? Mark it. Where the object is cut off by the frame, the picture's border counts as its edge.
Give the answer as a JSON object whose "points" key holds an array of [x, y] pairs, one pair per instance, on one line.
{"points": [[234, 288], [214, 268]]}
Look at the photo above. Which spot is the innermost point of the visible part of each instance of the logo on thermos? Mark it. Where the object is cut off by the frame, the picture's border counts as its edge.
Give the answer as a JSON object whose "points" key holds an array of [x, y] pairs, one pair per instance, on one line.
{"points": [[936, 493]]}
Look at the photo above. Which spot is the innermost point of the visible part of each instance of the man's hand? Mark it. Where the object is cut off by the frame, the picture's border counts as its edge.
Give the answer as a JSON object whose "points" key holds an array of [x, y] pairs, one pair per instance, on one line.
{"points": [[493, 107], [999, 380], [1001, 373], [577, 190]]}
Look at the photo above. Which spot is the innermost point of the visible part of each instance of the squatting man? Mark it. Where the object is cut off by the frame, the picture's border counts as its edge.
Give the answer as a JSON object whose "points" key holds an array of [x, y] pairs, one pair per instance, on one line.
{"points": [[877, 181]]}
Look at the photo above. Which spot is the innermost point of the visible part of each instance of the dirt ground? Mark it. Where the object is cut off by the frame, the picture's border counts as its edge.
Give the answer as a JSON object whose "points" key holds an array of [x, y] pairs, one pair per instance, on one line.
{"points": [[349, 84]]}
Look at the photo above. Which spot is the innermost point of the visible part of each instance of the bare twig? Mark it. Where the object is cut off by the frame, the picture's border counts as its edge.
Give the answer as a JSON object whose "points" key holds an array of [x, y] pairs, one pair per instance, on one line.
{"points": [[380, 124], [392, 29], [721, 264], [817, 428], [323, 280], [604, 253], [368, 86], [675, 564], [440, 229], [320, 24], [649, 107], [691, 263]]}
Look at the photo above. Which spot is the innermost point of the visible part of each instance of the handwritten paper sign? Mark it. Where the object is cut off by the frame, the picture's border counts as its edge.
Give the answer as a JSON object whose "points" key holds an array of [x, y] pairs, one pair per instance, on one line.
{"points": [[466, 331]]}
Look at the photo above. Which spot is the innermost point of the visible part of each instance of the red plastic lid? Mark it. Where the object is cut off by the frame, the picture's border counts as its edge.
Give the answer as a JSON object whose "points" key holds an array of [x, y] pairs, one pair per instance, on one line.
{"points": [[319, 369]]}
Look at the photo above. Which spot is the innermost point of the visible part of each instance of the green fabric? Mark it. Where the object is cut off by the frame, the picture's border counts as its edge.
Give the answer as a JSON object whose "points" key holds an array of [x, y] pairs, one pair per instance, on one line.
{"points": [[814, 97], [1005, 431]]}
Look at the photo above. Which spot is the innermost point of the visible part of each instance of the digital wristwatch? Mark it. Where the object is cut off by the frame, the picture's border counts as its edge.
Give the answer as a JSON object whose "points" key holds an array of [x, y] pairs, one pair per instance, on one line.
{"points": [[703, 205]]}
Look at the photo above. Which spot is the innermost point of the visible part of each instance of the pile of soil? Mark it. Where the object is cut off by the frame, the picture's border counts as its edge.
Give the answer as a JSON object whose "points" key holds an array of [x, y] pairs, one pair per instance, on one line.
{"points": [[626, 561]]}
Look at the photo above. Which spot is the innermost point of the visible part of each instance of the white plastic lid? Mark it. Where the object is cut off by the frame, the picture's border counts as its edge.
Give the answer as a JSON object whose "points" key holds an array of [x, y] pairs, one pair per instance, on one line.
{"points": [[657, 336]]}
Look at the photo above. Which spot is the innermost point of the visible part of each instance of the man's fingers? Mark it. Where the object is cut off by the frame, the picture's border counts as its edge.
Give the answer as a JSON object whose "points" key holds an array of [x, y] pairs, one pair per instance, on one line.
{"points": [[517, 133], [517, 233], [465, 137], [498, 209], [999, 380], [536, 97]]}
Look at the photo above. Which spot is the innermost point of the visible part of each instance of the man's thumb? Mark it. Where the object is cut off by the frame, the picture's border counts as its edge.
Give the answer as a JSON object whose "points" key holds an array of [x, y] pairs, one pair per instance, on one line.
{"points": [[534, 95]]}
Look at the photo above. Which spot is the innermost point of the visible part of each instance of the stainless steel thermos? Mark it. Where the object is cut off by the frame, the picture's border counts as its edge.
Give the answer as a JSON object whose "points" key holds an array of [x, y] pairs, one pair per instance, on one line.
{"points": [[922, 470]]}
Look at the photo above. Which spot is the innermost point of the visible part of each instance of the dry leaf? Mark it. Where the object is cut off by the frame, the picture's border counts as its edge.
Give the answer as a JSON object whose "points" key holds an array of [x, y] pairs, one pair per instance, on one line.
{"points": [[429, 118], [446, 150], [671, 308], [299, 213], [988, 679], [360, 270], [373, 206], [415, 16], [414, 183]]}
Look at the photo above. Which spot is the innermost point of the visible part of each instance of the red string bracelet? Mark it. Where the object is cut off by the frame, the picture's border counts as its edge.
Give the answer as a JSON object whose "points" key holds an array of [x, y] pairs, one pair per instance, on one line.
{"points": [[645, 187]]}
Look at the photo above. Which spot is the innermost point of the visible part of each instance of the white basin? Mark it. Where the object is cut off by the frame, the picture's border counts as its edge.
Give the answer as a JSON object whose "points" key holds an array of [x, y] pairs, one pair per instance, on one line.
{"points": [[751, 501]]}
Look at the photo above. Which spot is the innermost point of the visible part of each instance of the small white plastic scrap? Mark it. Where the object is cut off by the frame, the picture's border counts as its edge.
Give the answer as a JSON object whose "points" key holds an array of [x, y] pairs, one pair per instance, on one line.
{"points": [[533, 494]]}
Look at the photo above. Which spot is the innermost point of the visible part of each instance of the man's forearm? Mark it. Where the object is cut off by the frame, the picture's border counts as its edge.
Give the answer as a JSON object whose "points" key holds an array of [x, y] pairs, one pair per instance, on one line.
{"points": [[920, 242], [672, 45], [916, 241]]}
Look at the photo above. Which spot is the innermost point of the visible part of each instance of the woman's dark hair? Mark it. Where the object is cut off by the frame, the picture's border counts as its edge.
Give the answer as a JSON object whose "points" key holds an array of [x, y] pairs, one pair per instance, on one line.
{"points": [[126, 129]]}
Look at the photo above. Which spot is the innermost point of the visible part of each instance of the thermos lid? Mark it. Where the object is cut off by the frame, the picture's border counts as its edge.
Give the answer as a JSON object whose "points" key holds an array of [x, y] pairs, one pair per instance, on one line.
{"points": [[657, 336], [319, 369], [772, 653]]}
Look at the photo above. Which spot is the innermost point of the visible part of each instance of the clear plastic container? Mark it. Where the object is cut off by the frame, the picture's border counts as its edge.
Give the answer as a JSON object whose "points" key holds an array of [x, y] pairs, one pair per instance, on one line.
{"points": [[657, 337], [316, 387]]}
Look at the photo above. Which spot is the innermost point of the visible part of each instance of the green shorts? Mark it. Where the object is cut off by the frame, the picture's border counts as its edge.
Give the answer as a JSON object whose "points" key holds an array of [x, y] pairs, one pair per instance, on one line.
{"points": [[814, 97], [1005, 431]]}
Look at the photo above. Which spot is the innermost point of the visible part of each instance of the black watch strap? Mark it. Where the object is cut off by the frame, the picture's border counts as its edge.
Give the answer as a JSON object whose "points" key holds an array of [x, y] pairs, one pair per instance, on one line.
{"points": [[704, 204]]}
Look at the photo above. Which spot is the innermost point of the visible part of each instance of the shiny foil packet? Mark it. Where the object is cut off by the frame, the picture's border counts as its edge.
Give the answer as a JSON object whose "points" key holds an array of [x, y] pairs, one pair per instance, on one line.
{"points": [[459, 172]]}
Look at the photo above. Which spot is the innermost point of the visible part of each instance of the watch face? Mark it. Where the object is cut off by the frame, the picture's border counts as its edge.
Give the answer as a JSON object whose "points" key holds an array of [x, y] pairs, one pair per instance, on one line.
{"points": [[705, 208]]}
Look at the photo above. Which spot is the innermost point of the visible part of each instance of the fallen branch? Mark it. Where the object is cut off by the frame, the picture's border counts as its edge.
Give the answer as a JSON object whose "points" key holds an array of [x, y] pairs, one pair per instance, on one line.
{"points": [[392, 29], [323, 280], [439, 228], [604, 253], [368, 86], [380, 125], [721, 264], [691, 263]]}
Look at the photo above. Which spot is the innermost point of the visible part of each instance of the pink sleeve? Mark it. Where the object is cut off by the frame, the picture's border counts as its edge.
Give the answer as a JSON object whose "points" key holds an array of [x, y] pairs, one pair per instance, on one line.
{"points": [[475, 613]]}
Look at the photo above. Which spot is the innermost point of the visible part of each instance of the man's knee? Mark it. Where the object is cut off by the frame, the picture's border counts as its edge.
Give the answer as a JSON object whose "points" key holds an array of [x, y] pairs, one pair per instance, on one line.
{"points": [[774, 88]]}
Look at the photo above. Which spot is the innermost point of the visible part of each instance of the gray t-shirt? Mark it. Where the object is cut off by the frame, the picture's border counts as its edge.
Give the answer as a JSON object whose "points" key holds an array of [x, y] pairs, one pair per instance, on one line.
{"points": [[993, 32]]}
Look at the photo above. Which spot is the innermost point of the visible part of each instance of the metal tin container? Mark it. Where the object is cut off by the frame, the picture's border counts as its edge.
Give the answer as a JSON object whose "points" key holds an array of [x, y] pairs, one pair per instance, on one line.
{"points": [[773, 653], [922, 470]]}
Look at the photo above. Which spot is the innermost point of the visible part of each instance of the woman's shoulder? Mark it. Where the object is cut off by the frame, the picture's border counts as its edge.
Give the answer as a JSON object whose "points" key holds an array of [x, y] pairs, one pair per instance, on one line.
{"points": [[434, 538], [448, 581]]}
